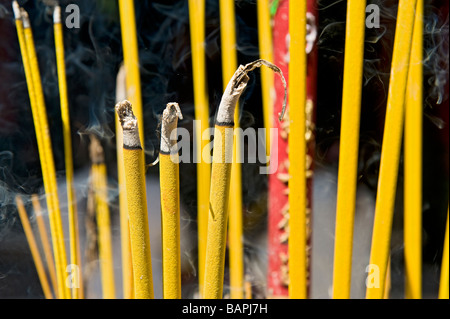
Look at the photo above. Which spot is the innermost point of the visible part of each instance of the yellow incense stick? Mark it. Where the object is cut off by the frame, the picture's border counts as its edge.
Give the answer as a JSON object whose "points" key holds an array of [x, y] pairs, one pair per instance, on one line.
{"points": [[100, 184], [45, 242], [390, 152], [297, 151], [197, 29], [235, 233], [443, 284], [127, 266], [266, 53], [133, 94], [44, 143], [170, 203], [220, 178], [33, 248], [220, 187], [349, 146], [75, 257], [413, 164], [388, 281], [136, 201]]}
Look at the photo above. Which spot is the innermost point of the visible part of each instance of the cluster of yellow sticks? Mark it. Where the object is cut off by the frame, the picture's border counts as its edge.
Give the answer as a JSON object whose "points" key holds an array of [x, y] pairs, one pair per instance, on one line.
{"points": [[403, 116], [216, 213]]}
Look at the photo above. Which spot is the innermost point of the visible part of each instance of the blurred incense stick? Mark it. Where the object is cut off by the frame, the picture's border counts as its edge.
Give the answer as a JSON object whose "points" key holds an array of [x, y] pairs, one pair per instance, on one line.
{"points": [[100, 184], [37, 102], [170, 203], [197, 31]]}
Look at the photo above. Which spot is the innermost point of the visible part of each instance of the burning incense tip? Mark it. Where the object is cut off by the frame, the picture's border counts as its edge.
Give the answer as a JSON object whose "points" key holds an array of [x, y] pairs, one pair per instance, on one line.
{"points": [[57, 14], [172, 112], [126, 116], [237, 85], [169, 123], [129, 124], [16, 10]]}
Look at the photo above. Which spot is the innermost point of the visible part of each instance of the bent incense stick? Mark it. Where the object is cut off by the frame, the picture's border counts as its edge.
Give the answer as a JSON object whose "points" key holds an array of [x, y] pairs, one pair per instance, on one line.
{"points": [[170, 202], [136, 202], [75, 256], [349, 147], [33, 248], [390, 151], [220, 179], [37, 102]]}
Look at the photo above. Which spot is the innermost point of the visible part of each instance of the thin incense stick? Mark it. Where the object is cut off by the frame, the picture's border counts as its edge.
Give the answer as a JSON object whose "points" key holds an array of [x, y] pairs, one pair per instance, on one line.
{"points": [[45, 242], [127, 266], [229, 65], [349, 146], [44, 143], [100, 183], [131, 61], [443, 283], [136, 201], [220, 178], [197, 29], [413, 164], [134, 95], [33, 248], [170, 203], [75, 256], [266, 53], [297, 151], [390, 151], [278, 206]]}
